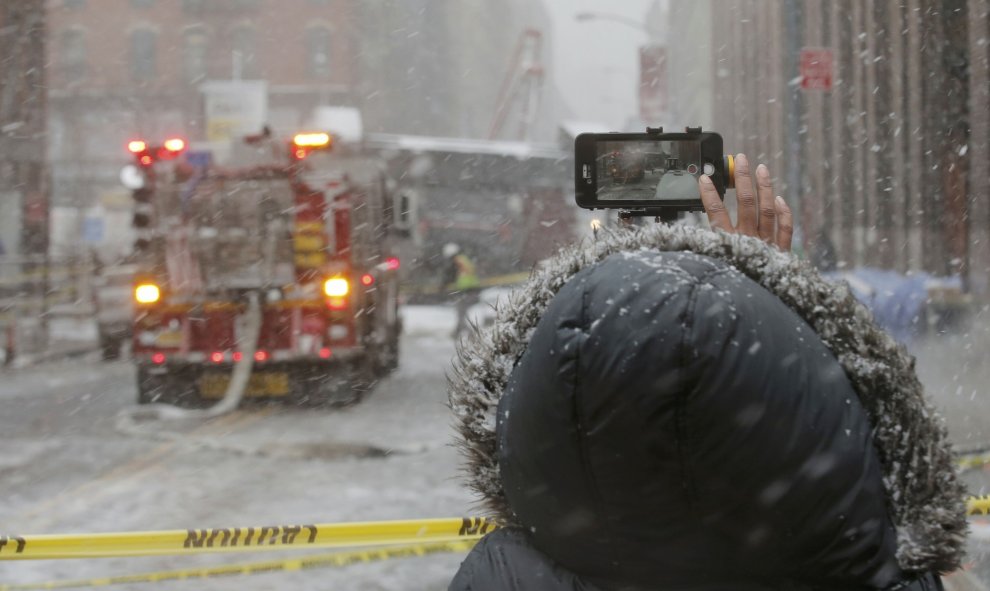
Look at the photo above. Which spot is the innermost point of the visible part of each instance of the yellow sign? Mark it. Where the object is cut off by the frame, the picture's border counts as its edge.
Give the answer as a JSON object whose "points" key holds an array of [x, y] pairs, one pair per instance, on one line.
{"points": [[261, 383], [169, 339], [221, 130]]}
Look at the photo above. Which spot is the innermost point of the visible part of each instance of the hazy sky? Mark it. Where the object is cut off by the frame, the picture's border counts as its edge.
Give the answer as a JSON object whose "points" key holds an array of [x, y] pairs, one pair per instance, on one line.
{"points": [[596, 62]]}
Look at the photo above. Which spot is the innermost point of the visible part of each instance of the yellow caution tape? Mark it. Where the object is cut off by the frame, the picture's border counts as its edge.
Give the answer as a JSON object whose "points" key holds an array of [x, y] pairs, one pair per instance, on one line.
{"points": [[496, 281], [505, 279], [971, 461], [243, 539], [336, 559]]}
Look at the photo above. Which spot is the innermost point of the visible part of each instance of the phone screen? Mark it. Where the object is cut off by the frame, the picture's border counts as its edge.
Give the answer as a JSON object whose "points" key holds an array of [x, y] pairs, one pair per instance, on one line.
{"points": [[648, 170]]}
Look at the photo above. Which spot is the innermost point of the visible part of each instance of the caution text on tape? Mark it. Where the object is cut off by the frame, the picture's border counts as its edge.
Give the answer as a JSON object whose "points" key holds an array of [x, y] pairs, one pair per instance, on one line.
{"points": [[243, 539]]}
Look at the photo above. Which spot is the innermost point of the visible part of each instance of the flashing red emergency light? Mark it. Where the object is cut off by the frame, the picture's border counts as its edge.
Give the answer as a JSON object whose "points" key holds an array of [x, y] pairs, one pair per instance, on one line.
{"points": [[238, 355], [216, 357], [146, 160], [367, 279], [174, 144], [158, 358], [136, 146], [325, 352], [300, 154], [392, 263], [261, 355]]}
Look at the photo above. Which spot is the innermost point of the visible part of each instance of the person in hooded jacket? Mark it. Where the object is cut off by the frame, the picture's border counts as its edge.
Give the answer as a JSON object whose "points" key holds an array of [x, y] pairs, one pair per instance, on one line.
{"points": [[675, 408]]}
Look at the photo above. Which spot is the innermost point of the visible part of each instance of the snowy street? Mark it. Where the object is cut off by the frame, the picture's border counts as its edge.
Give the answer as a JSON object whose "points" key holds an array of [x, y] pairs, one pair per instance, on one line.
{"points": [[72, 464]]}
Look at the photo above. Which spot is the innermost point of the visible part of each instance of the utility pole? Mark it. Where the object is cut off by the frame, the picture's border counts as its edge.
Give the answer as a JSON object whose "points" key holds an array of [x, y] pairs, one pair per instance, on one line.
{"points": [[979, 145], [23, 162], [794, 158], [23, 167]]}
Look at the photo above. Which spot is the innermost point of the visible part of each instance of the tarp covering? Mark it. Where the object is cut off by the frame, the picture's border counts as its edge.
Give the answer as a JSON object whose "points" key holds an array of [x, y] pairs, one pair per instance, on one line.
{"points": [[896, 300]]}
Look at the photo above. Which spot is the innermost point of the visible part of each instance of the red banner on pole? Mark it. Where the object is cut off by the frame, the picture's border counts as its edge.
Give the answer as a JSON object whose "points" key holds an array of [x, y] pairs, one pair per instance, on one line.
{"points": [[816, 68]]}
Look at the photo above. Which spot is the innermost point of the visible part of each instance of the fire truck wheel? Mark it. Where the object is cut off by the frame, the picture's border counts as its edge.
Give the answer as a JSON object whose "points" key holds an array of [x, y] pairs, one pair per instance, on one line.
{"points": [[177, 389], [319, 386], [151, 388], [109, 348], [391, 361]]}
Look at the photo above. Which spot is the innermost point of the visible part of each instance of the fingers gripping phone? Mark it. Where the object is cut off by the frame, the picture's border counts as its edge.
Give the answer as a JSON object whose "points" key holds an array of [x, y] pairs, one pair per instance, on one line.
{"points": [[648, 172]]}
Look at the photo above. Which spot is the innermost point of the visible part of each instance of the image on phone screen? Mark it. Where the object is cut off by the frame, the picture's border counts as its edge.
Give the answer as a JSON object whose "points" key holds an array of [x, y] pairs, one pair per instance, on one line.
{"points": [[658, 170]]}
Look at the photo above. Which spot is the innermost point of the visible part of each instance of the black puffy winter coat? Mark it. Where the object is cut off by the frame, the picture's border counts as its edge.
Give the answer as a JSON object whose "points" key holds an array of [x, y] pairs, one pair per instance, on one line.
{"points": [[646, 415]]}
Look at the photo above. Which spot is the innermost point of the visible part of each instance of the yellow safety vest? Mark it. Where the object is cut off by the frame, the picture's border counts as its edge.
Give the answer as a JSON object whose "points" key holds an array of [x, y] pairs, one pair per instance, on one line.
{"points": [[467, 278]]}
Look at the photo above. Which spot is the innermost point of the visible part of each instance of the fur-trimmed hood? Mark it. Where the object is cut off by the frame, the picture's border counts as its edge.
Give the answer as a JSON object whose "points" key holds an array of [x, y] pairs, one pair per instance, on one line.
{"points": [[924, 496]]}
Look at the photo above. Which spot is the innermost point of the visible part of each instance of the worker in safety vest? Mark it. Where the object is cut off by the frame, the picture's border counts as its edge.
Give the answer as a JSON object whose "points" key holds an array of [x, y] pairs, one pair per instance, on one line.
{"points": [[461, 281]]}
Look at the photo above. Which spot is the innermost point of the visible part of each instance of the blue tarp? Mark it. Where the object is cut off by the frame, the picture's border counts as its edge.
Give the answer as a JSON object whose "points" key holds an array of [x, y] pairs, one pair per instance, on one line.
{"points": [[897, 301]]}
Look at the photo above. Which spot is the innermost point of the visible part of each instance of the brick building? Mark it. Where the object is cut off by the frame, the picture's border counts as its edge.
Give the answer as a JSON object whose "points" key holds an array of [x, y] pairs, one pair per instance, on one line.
{"points": [[121, 69]]}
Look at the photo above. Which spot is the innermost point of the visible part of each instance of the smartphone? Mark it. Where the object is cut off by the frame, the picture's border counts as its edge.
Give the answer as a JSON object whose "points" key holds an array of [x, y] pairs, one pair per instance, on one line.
{"points": [[647, 171]]}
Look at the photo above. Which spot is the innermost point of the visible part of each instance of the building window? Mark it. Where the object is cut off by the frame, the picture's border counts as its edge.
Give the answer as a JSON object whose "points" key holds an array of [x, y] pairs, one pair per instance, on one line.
{"points": [[72, 47], [243, 43], [318, 52], [195, 53], [143, 55]]}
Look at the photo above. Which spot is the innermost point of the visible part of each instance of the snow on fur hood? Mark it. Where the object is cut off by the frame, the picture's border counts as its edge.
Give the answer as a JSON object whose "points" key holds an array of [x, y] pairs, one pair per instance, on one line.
{"points": [[923, 492]]}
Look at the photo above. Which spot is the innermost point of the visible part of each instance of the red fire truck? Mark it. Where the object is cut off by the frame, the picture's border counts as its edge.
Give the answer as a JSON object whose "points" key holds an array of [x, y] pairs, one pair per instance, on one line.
{"points": [[300, 230]]}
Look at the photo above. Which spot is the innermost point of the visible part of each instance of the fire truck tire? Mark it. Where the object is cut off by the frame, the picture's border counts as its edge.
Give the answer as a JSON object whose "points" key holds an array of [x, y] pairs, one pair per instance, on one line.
{"points": [[178, 389], [151, 388], [109, 348], [391, 361], [319, 386]]}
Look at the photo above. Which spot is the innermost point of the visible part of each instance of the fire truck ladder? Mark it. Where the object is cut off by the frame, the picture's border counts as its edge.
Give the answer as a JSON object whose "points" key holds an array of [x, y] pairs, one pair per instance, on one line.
{"points": [[522, 86]]}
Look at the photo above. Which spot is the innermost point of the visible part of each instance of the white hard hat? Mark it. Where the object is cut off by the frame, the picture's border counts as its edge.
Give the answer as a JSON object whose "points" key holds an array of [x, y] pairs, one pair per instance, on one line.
{"points": [[450, 249]]}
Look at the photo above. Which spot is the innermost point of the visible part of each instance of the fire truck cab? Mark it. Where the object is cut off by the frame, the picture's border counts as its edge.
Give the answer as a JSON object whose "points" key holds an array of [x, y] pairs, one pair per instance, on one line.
{"points": [[300, 227]]}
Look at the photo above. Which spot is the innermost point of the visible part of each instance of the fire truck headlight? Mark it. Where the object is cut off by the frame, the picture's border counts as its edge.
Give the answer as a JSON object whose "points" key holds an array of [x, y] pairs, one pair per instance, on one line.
{"points": [[147, 293], [336, 287]]}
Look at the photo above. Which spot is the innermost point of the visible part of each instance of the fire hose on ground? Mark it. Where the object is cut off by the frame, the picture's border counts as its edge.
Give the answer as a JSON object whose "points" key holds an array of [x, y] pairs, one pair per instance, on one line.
{"points": [[127, 422]]}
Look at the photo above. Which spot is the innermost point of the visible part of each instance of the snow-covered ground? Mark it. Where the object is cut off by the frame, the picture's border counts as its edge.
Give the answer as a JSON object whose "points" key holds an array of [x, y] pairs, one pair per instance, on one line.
{"points": [[70, 465], [388, 457]]}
